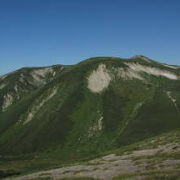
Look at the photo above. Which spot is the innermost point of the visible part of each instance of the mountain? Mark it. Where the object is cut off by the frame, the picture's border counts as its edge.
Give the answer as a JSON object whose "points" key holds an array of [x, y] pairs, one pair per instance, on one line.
{"points": [[61, 114]]}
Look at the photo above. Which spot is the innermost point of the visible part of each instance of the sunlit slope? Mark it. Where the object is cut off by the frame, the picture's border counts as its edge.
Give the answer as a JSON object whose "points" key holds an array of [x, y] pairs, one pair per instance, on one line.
{"points": [[94, 106]]}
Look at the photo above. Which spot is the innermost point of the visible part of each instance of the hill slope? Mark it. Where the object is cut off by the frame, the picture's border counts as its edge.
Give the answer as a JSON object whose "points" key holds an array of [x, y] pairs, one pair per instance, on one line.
{"points": [[74, 112], [156, 158]]}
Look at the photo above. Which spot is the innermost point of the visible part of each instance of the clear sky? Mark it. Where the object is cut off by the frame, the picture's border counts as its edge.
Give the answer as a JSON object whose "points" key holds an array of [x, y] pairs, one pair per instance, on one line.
{"points": [[45, 32]]}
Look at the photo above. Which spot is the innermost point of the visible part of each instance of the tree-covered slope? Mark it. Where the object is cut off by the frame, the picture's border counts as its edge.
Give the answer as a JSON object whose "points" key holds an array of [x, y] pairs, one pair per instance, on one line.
{"points": [[72, 112]]}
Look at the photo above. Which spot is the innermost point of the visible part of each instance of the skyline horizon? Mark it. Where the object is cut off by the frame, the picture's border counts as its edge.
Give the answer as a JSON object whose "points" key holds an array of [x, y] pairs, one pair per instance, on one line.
{"points": [[48, 65]]}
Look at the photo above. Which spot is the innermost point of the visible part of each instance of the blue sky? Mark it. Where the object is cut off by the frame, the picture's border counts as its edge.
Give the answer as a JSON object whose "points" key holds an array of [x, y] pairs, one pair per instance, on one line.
{"points": [[45, 32]]}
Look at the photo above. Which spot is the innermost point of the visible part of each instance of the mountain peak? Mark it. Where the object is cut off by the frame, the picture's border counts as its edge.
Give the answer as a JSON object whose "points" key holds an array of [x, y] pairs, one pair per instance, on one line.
{"points": [[141, 57]]}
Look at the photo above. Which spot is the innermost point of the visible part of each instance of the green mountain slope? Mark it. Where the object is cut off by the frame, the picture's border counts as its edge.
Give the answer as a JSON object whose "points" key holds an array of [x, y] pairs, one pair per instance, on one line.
{"points": [[79, 111]]}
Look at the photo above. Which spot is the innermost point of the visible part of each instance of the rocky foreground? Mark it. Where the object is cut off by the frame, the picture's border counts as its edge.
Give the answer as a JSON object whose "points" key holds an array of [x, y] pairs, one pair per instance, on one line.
{"points": [[157, 158]]}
